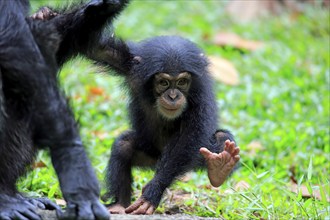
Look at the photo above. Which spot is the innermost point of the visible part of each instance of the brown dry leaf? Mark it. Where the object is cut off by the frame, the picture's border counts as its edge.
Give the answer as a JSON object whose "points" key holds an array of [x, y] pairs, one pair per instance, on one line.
{"points": [[258, 215], [254, 147], [304, 191], [223, 70], [233, 40], [96, 91], [39, 164], [60, 202], [241, 185], [245, 11], [77, 97], [177, 196], [293, 178], [102, 135]]}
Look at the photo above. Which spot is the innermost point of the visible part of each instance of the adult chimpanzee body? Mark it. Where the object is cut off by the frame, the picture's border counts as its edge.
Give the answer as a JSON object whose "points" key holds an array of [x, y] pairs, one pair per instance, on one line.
{"points": [[33, 112], [173, 114]]}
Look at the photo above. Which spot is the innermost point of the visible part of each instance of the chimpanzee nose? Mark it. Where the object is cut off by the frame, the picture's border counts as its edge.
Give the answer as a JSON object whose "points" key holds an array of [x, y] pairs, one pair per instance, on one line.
{"points": [[173, 95]]}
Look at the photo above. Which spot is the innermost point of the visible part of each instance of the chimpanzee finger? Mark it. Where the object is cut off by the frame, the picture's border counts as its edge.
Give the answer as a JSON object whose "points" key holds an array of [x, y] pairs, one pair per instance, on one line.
{"points": [[134, 206], [4, 217], [17, 215], [205, 152], [236, 151], [85, 211], [59, 213], [100, 212], [37, 203], [29, 205], [150, 210], [229, 146], [30, 214], [142, 209], [237, 158], [69, 213], [49, 204]]}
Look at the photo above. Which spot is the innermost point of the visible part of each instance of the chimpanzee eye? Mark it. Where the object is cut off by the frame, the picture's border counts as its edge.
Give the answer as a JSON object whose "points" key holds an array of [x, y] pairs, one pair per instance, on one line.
{"points": [[182, 82], [164, 83]]}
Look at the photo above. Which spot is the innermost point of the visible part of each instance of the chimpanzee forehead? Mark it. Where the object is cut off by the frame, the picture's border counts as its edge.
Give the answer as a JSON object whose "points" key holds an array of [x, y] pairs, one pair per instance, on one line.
{"points": [[170, 54], [167, 46], [160, 76]]}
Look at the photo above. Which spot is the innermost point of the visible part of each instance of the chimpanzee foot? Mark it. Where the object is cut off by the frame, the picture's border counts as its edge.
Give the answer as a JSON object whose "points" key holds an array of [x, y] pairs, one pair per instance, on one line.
{"points": [[21, 208], [219, 166], [141, 207], [116, 209]]}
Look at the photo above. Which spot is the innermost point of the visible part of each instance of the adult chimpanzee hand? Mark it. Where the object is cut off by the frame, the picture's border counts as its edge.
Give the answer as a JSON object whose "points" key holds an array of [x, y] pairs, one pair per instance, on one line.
{"points": [[18, 207], [88, 210]]}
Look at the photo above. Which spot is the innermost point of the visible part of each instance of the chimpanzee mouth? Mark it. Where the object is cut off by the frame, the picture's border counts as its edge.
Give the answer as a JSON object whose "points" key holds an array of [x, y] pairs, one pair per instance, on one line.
{"points": [[170, 109]]}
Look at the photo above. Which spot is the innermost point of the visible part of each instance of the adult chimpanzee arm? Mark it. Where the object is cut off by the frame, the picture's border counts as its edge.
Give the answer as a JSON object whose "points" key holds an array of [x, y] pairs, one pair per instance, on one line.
{"points": [[80, 35], [2, 110], [55, 127], [114, 53], [78, 184], [80, 28]]}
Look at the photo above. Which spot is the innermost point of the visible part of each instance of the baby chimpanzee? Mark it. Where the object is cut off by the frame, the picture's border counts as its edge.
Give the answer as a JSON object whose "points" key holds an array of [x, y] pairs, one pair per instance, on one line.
{"points": [[173, 113]]}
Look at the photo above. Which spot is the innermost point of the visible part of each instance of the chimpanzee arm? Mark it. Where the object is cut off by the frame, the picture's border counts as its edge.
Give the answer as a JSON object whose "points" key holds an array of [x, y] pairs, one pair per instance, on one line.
{"points": [[114, 53], [55, 127], [2, 110], [78, 183], [81, 27], [78, 35], [179, 156]]}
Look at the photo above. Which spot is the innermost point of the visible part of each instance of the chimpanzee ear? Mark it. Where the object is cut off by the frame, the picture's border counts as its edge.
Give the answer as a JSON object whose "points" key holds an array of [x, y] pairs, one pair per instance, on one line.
{"points": [[137, 60]]}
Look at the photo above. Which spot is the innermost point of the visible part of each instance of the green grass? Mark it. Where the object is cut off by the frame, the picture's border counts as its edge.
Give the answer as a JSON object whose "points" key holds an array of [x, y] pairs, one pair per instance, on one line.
{"points": [[282, 102]]}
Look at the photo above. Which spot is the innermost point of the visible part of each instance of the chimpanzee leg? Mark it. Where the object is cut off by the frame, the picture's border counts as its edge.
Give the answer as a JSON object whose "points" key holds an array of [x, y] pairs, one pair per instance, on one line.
{"points": [[56, 128], [221, 157], [118, 173], [124, 155]]}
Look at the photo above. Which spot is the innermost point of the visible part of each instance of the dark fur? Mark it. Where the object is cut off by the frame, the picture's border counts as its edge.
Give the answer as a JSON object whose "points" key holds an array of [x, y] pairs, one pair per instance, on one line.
{"points": [[172, 144], [34, 113]]}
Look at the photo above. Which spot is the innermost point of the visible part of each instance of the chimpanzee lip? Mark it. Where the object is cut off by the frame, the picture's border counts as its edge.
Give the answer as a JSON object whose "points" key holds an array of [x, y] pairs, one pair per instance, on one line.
{"points": [[170, 109]]}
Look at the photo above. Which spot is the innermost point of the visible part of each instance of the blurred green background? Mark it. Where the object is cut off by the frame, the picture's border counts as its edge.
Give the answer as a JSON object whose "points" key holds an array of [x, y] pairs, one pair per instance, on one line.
{"points": [[279, 111]]}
